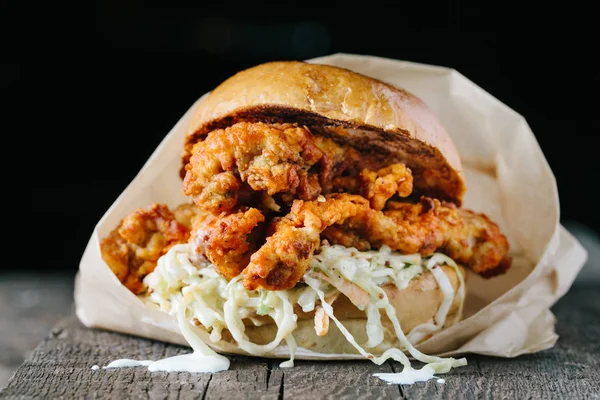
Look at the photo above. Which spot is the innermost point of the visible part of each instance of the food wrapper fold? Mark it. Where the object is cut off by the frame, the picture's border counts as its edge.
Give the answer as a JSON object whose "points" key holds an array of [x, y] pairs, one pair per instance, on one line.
{"points": [[507, 178]]}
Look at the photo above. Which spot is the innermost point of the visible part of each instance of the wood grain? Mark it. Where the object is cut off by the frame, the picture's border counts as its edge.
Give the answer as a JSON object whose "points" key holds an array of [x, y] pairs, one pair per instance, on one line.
{"points": [[30, 305], [60, 367]]}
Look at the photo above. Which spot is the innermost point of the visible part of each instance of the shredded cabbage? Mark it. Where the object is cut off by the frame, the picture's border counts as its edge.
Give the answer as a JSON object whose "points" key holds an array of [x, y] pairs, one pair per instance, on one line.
{"points": [[422, 331], [307, 299], [195, 293], [282, 314]]}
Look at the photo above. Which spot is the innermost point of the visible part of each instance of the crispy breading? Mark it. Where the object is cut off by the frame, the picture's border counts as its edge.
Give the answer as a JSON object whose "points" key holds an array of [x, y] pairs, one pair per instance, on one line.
{"points": [[485, 249], [343, 235], [225, 240], [232, 163], [467, 237], [134, 247], [430, 225], [274, 158], [285, 256], [377, 186]]}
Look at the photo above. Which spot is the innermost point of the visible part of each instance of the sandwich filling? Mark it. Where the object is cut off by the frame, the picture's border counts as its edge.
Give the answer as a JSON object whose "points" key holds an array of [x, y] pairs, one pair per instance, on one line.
{"points": [[183, 284], [285, 222]]}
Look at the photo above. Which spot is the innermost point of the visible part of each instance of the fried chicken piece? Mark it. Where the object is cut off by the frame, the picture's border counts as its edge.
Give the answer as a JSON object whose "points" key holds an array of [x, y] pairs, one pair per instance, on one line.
{"points": [[379, 186], [467, 237], [283, 159], [225, 240], [274, 158], [133, 248], [339, 161], [422, 228], [186, 214], [490, 245], [282, 260], [342, 235]]}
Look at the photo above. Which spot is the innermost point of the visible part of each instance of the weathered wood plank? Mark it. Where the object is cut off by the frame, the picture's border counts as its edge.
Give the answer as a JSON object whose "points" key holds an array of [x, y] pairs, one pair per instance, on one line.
{"points": [[30, 305], [459, 383], [247, 378], [60, 367], [337, 380], [570, 370]]}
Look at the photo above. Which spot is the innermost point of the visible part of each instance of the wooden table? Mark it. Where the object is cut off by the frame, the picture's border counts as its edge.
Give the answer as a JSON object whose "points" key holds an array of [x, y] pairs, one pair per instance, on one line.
{"points": [[30, 305], [61, 367]]}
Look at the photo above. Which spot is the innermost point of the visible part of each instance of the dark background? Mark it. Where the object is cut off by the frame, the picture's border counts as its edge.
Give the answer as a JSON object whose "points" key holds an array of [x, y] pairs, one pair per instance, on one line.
{"points": [[98, 89]]}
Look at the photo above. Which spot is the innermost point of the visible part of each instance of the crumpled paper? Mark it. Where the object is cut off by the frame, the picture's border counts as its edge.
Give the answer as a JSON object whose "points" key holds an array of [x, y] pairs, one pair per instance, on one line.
{"points": [[507, 177]]}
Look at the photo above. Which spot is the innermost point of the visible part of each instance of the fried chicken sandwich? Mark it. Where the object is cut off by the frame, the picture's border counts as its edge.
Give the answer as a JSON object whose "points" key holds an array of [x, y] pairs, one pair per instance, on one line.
{"points": [[325, 214]]}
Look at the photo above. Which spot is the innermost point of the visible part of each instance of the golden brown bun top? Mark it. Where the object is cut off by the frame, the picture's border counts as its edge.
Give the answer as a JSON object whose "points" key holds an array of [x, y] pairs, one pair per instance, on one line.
{"points": [[368, 113]]}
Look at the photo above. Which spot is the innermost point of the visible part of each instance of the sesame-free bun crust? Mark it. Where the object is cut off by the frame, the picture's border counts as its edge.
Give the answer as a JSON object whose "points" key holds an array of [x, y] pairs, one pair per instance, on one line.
{"points": [[369, 114]]}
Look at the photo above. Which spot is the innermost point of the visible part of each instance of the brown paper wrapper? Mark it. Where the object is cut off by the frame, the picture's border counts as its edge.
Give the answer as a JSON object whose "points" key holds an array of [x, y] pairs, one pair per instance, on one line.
{"points": [[507, 178]]}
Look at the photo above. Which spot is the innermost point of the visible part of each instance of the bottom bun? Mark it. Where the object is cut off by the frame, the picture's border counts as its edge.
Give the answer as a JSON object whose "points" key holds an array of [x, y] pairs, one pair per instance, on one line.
{"points": [[415, 305]]}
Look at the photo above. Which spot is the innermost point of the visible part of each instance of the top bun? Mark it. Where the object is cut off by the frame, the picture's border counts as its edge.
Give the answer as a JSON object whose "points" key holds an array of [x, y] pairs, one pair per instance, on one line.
{"points": [[369, 114]]}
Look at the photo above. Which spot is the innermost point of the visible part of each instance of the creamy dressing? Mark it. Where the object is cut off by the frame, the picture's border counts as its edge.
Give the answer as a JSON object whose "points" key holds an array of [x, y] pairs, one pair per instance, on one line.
{"points": [[203, 359], [291, 342], [193, 362], [126, 362], [409, 375]]}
